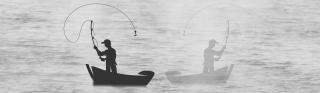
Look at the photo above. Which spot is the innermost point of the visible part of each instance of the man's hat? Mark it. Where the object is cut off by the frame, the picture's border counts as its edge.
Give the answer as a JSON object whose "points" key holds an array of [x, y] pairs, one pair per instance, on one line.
{"points": [[212, 41], [107, 41]]}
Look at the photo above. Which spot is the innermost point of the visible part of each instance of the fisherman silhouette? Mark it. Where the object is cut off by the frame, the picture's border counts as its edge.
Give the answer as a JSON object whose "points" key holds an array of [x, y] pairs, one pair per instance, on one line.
{"points": [[211, 55], [109, 56]]}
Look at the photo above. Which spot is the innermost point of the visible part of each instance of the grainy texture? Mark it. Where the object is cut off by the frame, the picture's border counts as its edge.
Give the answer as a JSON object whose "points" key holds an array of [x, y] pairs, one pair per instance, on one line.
{"points": [[274, 44]]}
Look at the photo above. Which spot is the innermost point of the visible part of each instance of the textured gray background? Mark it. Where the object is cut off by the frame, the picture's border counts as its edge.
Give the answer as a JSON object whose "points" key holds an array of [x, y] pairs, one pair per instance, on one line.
{"points": [[274, 44]]}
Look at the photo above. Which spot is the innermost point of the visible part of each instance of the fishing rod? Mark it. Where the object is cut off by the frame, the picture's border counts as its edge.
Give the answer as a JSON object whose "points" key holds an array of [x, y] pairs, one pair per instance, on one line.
{"points": [[93, 33], [227, 36], [92, 23]]}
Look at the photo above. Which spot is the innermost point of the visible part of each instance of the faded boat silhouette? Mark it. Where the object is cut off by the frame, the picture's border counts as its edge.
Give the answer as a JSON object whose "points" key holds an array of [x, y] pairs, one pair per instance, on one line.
{"points": [[218, 76]]}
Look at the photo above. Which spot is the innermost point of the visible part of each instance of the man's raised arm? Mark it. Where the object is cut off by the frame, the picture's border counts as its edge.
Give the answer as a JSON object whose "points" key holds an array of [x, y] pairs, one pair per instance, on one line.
{"points": [[98, 51], [219, 54]]}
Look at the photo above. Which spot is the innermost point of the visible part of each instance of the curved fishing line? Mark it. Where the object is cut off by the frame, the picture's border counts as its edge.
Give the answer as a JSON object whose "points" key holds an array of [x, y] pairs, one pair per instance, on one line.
{"points": [[204, 8], [119, 10], [190, 19], [79, 33]]}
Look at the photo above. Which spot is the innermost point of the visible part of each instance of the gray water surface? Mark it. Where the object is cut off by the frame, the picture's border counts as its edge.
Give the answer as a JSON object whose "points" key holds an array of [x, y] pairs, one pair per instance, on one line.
{"points": [[273, 44]]}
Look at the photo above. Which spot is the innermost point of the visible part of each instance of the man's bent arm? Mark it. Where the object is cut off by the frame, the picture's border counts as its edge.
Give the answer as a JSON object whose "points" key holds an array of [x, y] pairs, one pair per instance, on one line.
{"points": [[221, 51], [219, 54], [98, 51]]}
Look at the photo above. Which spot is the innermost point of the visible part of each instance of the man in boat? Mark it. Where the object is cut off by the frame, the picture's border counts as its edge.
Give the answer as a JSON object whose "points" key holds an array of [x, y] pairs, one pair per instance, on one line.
{"points": [[211, 55], [109, 56]]}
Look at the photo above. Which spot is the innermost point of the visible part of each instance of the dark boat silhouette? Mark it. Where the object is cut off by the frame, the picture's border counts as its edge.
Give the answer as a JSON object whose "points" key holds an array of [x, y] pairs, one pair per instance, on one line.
{"points": [[101, 77], [218, 76]]}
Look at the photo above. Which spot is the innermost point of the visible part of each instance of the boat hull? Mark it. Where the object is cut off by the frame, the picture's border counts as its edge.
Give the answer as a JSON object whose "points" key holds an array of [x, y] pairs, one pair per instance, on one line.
{"points": [[101, 77], [218, 76]]}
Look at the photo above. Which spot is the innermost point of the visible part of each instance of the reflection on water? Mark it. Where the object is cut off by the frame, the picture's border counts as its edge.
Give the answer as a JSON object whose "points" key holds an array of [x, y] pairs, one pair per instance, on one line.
{"points": [[274, 45]]}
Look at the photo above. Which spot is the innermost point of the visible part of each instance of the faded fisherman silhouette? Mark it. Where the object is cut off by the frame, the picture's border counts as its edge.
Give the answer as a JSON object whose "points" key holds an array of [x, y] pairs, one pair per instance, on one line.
{"points": [[211, 55], [208, 75]]}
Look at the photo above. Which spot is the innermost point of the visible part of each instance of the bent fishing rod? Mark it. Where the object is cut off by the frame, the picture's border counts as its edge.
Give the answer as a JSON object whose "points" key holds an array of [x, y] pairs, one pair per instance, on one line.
{"points": [[93, 33], [227, 33], [227, 36]]}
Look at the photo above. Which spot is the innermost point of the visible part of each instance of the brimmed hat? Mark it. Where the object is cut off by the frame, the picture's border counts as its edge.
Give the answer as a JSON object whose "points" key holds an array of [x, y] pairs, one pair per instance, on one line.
{"points": [[212, 41], [107, 41]]}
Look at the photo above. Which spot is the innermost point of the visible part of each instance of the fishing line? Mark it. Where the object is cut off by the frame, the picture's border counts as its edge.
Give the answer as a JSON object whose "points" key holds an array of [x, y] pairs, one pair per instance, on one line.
{"points": [[92, 23], [79, 34], [188, 22]]}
